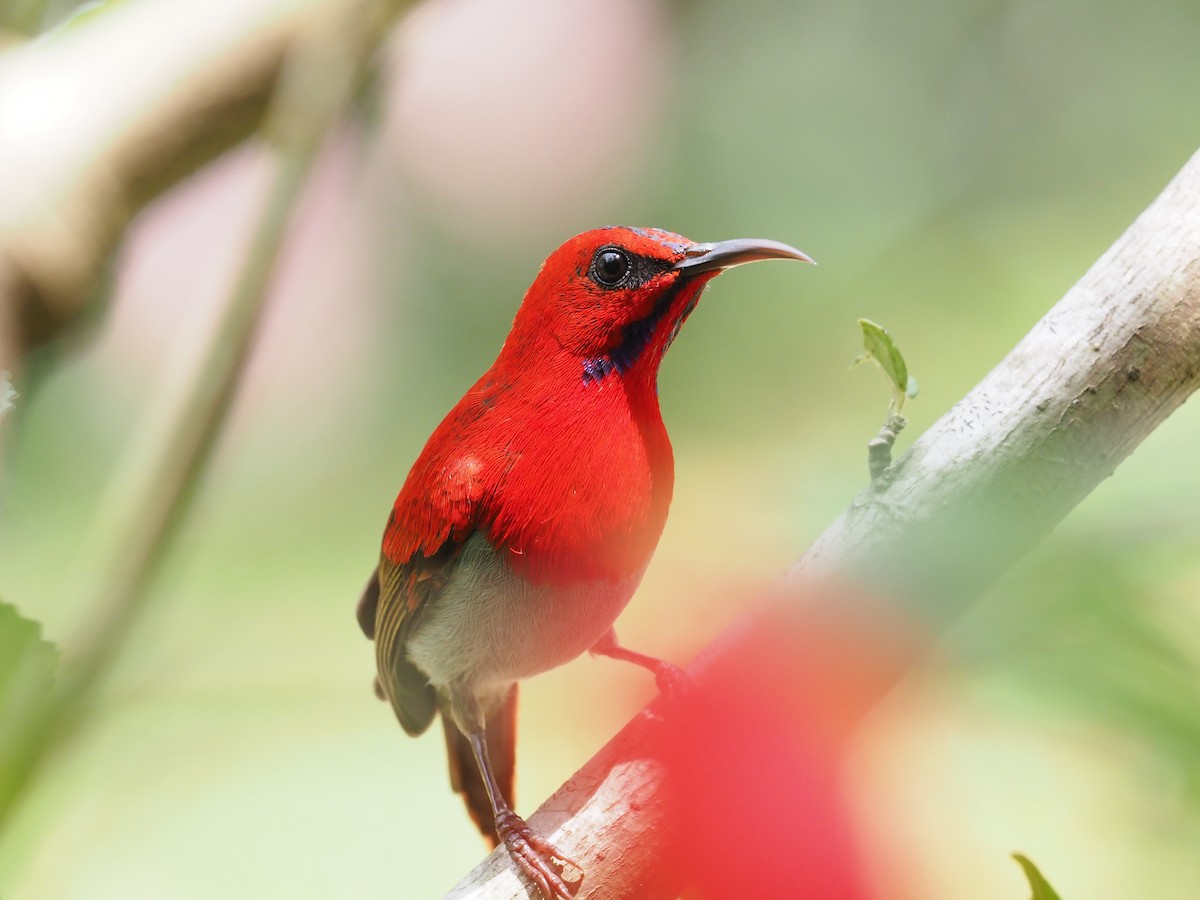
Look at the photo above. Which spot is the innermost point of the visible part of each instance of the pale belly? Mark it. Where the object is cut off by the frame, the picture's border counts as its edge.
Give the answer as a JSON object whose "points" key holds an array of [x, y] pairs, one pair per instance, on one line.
{"points": [[488, 628]]}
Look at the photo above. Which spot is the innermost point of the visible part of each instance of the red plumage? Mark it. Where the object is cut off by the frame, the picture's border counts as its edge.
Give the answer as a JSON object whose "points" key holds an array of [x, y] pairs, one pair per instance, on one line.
{"points": [[496, 461], [526, 522]]}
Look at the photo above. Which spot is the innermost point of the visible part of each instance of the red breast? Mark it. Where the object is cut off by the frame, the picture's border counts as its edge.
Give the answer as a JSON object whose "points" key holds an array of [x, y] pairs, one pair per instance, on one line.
{"points": [[559, 452]]}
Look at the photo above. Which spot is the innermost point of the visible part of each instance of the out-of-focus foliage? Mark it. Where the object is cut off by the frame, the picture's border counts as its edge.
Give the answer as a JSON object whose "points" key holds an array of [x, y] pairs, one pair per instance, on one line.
{"points": [[954, 167], [1097, 623], [26, 661], [1039, 884], [27, 664]]}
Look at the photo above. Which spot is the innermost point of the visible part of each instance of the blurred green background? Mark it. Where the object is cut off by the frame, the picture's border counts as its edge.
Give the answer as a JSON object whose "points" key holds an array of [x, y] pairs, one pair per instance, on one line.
{"points": [[952, 167]]}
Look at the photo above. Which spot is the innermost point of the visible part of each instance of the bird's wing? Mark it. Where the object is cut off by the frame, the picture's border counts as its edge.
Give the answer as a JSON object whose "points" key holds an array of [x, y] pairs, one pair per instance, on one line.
{"points": [[437, 510]]}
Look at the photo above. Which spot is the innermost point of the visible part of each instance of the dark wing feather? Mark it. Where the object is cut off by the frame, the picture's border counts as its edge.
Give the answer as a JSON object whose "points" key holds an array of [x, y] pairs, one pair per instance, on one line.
{"points": [[436, 510], [403, 594], [367, 605]]}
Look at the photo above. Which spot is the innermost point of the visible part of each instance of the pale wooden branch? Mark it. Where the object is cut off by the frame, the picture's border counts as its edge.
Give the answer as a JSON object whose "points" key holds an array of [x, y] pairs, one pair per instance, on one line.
{"points": [[96, 121], [1093, 378]]}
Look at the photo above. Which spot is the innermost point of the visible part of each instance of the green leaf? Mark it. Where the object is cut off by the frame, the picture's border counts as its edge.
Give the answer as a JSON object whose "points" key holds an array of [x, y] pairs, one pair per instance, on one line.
{"points": [[882, 350], [1040, 886], [27, 661], [27, 714], [880, 347], [8, 395]]}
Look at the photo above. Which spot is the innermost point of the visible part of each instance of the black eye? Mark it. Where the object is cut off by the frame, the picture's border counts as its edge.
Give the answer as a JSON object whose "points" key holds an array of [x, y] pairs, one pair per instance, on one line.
{"points": [[610, 266]]}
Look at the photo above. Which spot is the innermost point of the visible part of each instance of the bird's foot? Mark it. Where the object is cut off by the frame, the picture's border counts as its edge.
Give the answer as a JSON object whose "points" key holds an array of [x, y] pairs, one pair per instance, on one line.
{"points": [[673, 682], [675, 687], [535, 858]]}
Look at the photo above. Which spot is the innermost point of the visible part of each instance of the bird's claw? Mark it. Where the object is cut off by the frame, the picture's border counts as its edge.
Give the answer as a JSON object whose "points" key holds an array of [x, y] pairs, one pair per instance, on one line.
{"points": [[533, 858], [673, 682]]}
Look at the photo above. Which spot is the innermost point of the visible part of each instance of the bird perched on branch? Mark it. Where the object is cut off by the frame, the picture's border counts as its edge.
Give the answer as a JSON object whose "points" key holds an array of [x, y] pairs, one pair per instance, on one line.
{"points": [[528, 519]]}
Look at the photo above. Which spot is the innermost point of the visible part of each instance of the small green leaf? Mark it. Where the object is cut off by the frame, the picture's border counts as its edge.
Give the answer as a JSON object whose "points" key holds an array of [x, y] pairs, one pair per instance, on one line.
{"points": [[880, 347], [882, 350], [8, 395], [1040, 886]]}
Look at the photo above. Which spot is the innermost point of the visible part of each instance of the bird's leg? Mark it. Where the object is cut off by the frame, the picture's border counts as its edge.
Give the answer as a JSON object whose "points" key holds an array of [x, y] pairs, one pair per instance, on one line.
{"points": [[672, 681], [531, 853]]}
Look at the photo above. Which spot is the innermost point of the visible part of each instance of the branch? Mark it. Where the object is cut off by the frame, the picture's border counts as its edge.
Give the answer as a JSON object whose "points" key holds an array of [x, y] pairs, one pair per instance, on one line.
{"points": [[1093, 378], [96, 121]]}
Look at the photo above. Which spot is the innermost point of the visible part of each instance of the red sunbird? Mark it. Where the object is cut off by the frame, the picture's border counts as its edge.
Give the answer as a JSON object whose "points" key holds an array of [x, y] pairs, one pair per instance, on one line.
{"points": [[527, 521]]}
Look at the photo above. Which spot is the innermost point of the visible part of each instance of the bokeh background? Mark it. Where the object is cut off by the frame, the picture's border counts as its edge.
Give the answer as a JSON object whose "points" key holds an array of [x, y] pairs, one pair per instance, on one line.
{"points": [[953, 167]]}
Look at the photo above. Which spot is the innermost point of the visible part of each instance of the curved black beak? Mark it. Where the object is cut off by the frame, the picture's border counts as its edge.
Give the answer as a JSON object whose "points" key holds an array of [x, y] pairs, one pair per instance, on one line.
{"points": [[727, 254]]}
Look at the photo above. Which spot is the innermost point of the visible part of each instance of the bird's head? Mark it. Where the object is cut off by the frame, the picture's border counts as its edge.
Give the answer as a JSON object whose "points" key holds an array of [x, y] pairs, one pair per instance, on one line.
{"points": [[613, 299]]}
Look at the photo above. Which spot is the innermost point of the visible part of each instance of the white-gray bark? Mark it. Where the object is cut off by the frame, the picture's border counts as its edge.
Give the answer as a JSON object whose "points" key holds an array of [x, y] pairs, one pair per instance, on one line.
{"points": [[1092, 379]]}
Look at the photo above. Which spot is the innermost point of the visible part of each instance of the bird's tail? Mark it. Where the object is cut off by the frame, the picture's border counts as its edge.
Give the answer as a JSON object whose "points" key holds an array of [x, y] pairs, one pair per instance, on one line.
{"points": [[501, 731]]}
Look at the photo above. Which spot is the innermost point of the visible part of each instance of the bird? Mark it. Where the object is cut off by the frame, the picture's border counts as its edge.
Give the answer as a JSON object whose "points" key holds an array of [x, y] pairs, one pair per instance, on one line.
{"points": [[527, 521]]}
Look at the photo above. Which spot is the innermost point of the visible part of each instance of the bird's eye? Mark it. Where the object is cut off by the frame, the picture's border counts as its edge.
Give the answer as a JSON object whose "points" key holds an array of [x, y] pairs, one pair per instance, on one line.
{"points": [[610, 266]]}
